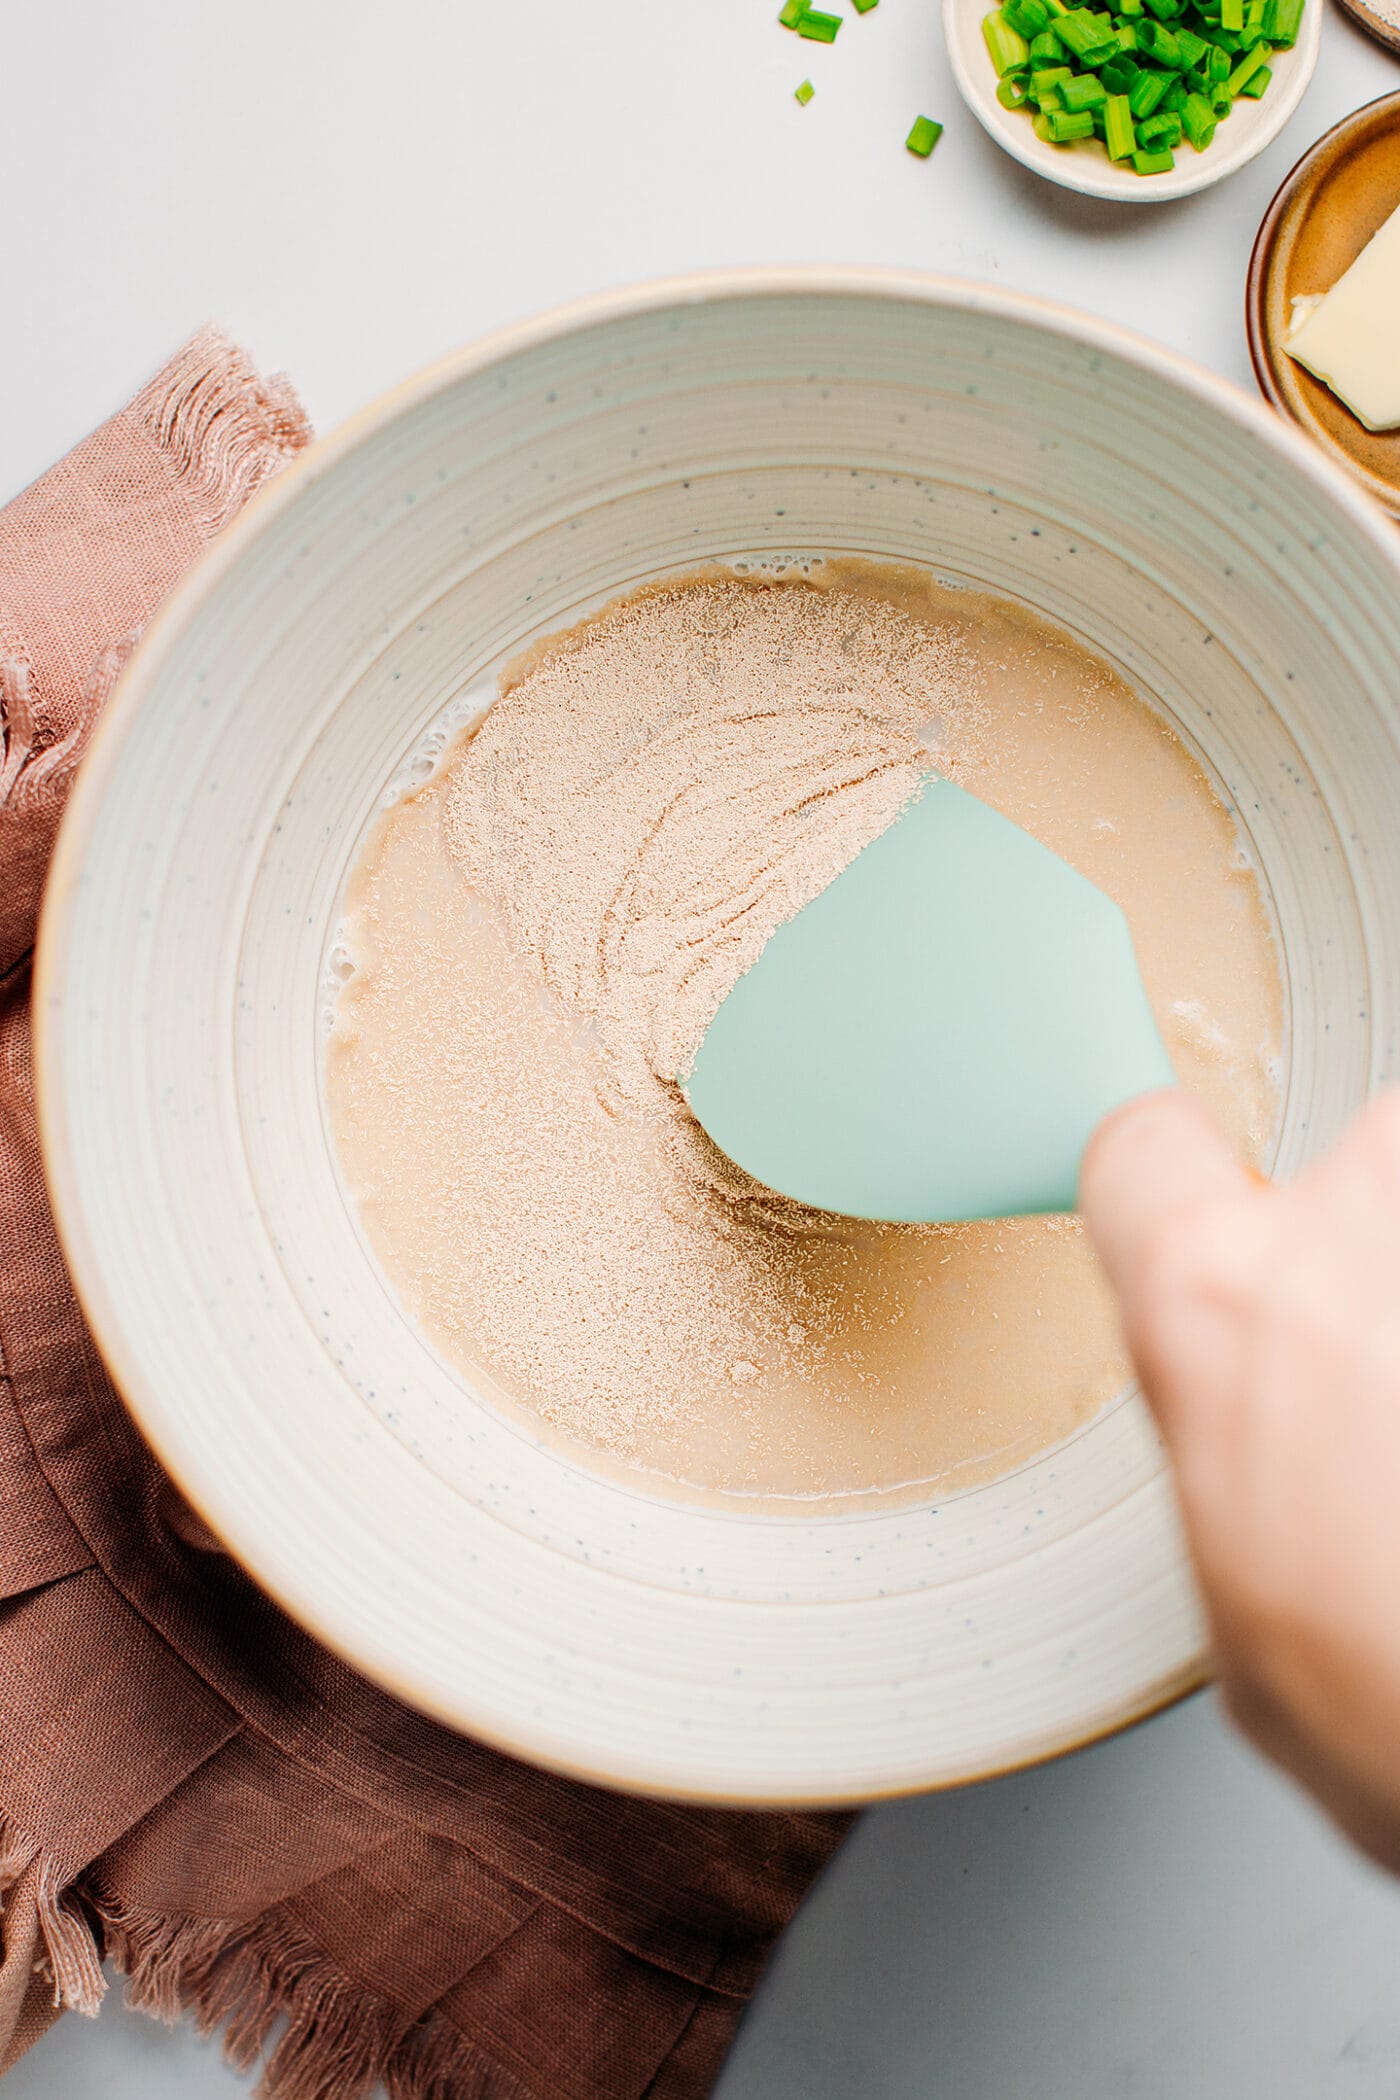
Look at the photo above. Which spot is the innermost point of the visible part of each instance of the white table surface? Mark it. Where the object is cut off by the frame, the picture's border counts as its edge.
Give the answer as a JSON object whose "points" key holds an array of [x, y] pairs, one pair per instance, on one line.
{"points": [[353, 190]]}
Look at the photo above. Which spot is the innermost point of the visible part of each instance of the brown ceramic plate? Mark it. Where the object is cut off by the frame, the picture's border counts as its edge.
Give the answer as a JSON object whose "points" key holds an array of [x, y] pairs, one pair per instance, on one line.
{"points": [[1372, 19], [1339, 194]]}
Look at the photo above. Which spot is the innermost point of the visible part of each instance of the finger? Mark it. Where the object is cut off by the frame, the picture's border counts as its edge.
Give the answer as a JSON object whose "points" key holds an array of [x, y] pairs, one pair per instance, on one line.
{"points": [[1156, 1155]]}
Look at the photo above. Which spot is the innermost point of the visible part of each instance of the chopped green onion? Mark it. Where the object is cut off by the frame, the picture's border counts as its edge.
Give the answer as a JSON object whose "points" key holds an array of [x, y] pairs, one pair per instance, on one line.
{"points": [[1118, 128], [793, 11], [1158, 43], [1068, 125], [923, 136], [1248, 67], [1027, 17], [863, 7], [1144, 76], [821, 29], [1049, 82], [1006, 47], [1146, 92], [804, 93], [1083, 91], [1283, 20], [1083, 32], [1198, 121]]}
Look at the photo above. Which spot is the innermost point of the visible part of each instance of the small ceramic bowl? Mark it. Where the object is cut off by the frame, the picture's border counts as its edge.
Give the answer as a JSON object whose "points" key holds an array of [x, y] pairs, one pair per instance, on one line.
{"points": [[1327, 209], [1084, 166], [728, 1653]]}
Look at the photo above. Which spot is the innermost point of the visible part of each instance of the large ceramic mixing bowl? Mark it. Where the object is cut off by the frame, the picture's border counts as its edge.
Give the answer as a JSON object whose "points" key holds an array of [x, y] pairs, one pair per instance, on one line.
{"points": [[1180, 529]]}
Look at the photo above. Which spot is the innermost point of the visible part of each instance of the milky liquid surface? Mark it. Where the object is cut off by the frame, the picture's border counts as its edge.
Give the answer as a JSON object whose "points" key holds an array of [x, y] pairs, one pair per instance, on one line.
{"points": [[497, 1072]]}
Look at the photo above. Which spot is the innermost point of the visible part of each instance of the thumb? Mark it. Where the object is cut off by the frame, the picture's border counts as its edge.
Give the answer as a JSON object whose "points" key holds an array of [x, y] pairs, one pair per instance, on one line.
{"points": [[1158, 1154]]}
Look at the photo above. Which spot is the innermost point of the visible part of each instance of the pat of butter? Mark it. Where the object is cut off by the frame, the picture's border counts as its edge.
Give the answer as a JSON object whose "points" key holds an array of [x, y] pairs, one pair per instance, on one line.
{"points": [[1351, 337]]}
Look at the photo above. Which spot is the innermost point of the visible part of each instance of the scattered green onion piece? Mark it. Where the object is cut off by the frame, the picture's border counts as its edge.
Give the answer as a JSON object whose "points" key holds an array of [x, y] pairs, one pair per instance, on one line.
{"points": [[1049, 82], [1217, 64], [1013, 90], [924, 135], [1067, 125], [793, 11], [1046, 49], [1083, 91], [1248, 67], [1118, 128], [1154, 161], [1162, 130], [1192, 48], [818, 28], [1040, 125], [1146, 92], [1257, 83], [1198, 121], [1232, 15], [804, 93], [1221, 100], [863, 7], [1006, 47]]}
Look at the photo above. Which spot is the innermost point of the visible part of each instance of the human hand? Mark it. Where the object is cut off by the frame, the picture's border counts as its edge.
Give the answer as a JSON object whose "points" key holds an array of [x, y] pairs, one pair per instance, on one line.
{"points": [[1265, 1325]]}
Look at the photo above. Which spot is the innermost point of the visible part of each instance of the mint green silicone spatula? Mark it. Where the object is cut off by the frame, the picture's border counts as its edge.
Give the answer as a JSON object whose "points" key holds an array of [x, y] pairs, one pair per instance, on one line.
{"points": [[937, 1033]]}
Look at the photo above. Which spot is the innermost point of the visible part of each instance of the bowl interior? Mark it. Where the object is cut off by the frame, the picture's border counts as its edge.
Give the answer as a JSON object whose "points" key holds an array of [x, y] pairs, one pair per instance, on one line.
{"points": [[1084, 165], [572, 1617]]}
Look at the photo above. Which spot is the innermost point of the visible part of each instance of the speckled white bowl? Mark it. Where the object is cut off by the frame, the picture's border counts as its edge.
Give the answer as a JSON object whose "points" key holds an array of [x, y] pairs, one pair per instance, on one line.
{"points": [[1084, 166], [1180, 528]]}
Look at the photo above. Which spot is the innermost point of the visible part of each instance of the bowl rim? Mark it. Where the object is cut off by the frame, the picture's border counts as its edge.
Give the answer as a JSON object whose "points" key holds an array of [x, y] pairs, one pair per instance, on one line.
{"points": [[303, 1598], [1085, 174], [1261, 258]]}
